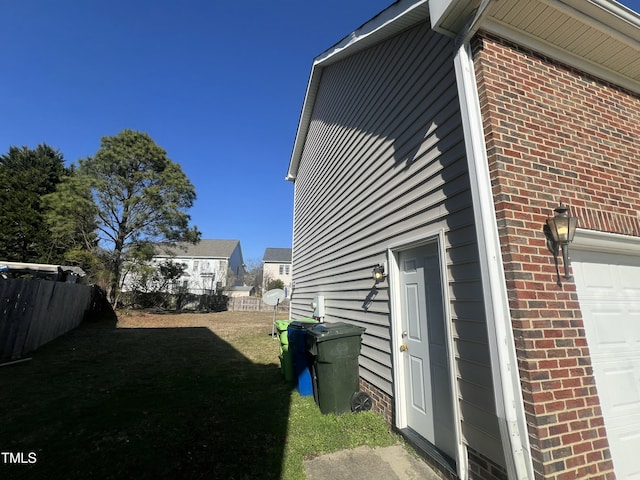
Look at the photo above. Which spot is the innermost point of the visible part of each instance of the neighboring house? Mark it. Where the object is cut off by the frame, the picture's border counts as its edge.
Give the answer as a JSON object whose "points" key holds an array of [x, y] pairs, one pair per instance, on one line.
{"points": [[435, 141], [276, 265], [207, 264]]}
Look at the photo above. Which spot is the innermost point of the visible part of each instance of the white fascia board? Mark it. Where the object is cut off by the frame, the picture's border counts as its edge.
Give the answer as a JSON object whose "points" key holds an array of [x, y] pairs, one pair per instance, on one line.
{"points": [[303, 123], [596, 241], [394, 19], [450, 17], [439, 9], [390, 21], [504, 364]]}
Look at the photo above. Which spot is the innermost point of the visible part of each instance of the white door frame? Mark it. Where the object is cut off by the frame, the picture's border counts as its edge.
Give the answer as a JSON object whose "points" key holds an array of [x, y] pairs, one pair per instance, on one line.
{"points": [[399, 370]]}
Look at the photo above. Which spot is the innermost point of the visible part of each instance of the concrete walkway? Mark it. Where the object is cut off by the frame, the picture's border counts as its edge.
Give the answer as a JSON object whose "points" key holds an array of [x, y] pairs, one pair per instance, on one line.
{"points": [[366, 463]]}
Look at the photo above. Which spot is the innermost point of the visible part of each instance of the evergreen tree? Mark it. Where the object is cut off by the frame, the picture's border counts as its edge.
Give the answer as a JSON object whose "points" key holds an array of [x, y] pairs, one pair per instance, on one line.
{"points": [[26, 176]]}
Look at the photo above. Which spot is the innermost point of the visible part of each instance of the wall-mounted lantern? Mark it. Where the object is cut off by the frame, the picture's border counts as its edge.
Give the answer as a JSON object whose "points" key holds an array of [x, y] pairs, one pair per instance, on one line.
{"points": [[560, 231], [378, 273]]}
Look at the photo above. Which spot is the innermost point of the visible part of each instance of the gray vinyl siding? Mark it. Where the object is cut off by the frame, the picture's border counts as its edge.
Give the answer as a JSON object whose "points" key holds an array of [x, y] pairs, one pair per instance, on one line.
{"points": [[384, 163]]}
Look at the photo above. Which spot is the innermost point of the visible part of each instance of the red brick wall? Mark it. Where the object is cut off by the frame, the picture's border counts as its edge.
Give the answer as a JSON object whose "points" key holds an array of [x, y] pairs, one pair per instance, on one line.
{"points": [[381, 402], [482, 468], [554, 133]]}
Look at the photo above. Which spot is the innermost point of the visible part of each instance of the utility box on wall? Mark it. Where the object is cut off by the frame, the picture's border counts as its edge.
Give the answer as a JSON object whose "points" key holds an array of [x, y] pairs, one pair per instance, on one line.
{"points": [[318, 307]]}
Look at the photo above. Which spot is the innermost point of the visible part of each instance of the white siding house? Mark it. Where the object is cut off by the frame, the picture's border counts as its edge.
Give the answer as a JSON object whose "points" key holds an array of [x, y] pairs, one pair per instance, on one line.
{"points": [[207, 264], [276, 265]]}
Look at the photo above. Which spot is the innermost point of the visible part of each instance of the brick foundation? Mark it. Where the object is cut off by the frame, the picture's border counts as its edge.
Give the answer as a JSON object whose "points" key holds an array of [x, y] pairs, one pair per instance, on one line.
{"points": [[382, 402], [481, 468]]}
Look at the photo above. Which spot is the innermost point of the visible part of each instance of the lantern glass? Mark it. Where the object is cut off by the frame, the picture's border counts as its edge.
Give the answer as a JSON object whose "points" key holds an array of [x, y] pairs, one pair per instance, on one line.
{"points": [[562, 226], [551, 223], [573, 224], [378, 273]]}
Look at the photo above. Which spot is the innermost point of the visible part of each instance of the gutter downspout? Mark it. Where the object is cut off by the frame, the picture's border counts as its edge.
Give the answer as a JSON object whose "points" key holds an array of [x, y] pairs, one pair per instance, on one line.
{"points": [[504, 365]]}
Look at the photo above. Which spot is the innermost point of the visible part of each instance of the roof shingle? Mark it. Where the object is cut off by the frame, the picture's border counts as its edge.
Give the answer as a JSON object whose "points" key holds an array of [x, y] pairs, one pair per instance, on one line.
{"points": [[279, 255], [204, 248]]}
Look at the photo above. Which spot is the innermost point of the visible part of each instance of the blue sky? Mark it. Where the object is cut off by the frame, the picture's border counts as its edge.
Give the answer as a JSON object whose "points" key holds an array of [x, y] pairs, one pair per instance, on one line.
{"points": [[218, 84]]}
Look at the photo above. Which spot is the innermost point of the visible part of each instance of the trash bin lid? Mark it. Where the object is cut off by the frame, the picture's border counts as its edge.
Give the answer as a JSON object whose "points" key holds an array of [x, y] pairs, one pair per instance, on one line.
{"points": [[303, 324], [331, 331], [282, 324]]}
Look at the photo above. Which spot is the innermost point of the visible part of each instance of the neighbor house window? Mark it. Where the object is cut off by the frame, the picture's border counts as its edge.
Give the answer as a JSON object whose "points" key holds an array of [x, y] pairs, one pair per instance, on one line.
{"points": [[284, 269]]}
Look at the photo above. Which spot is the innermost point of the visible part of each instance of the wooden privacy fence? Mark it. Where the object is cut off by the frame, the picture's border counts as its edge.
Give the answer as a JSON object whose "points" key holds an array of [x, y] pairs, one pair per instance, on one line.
{"points": [[34, 312], [253, 304]]}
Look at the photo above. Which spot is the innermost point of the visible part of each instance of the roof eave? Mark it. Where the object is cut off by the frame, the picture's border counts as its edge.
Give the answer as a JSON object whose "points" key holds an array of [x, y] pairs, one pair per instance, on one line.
{"points": [[609, 17], [582, 64], [606, 15], [449, 17]]}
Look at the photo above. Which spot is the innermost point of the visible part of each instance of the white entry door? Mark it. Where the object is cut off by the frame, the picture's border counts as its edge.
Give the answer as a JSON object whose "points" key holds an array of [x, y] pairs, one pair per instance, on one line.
{"points": [[428, 402], [608, 287]]}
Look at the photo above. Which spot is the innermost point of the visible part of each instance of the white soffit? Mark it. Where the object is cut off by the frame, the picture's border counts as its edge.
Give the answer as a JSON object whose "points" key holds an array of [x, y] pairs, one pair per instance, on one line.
{"points": [[597, 36]]}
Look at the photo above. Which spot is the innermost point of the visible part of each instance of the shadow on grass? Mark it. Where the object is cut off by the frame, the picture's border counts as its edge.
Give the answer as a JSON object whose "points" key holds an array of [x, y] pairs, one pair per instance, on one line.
{"points": [[177, 403]]}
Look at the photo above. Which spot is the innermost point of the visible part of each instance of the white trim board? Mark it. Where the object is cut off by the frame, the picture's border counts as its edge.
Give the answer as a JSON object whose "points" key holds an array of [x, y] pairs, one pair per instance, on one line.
{"points": [[504, 364], [596, 241]]}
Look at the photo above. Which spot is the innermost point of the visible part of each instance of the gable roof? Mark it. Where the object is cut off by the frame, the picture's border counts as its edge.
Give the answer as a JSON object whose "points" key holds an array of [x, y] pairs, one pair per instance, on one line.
{"points": [[397, 17], [607, 25], [279, 255], [203, 249]]}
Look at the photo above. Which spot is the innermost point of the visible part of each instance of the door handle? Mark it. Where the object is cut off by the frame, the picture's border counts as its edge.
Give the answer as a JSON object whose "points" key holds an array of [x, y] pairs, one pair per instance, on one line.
{"points": [[404, 347]]}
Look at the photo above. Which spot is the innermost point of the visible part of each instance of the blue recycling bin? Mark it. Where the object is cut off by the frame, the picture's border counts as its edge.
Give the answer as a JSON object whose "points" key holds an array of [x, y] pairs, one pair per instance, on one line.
{"points": [[297, 333]]}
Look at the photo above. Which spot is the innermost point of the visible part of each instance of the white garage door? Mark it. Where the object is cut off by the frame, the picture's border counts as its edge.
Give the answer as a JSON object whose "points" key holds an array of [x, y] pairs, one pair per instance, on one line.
{"points": [[608, 288]]}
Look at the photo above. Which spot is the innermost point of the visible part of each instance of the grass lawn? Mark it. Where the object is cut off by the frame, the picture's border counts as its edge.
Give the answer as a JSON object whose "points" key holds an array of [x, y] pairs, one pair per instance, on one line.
{"points": [[191, 396]]}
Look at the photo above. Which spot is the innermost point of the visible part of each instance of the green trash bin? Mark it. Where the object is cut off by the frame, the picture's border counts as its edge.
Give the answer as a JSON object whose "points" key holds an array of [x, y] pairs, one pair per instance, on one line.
{"points": [[286, 357], [281, 331], [286, 360], [286, 363], [334, 349]]}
